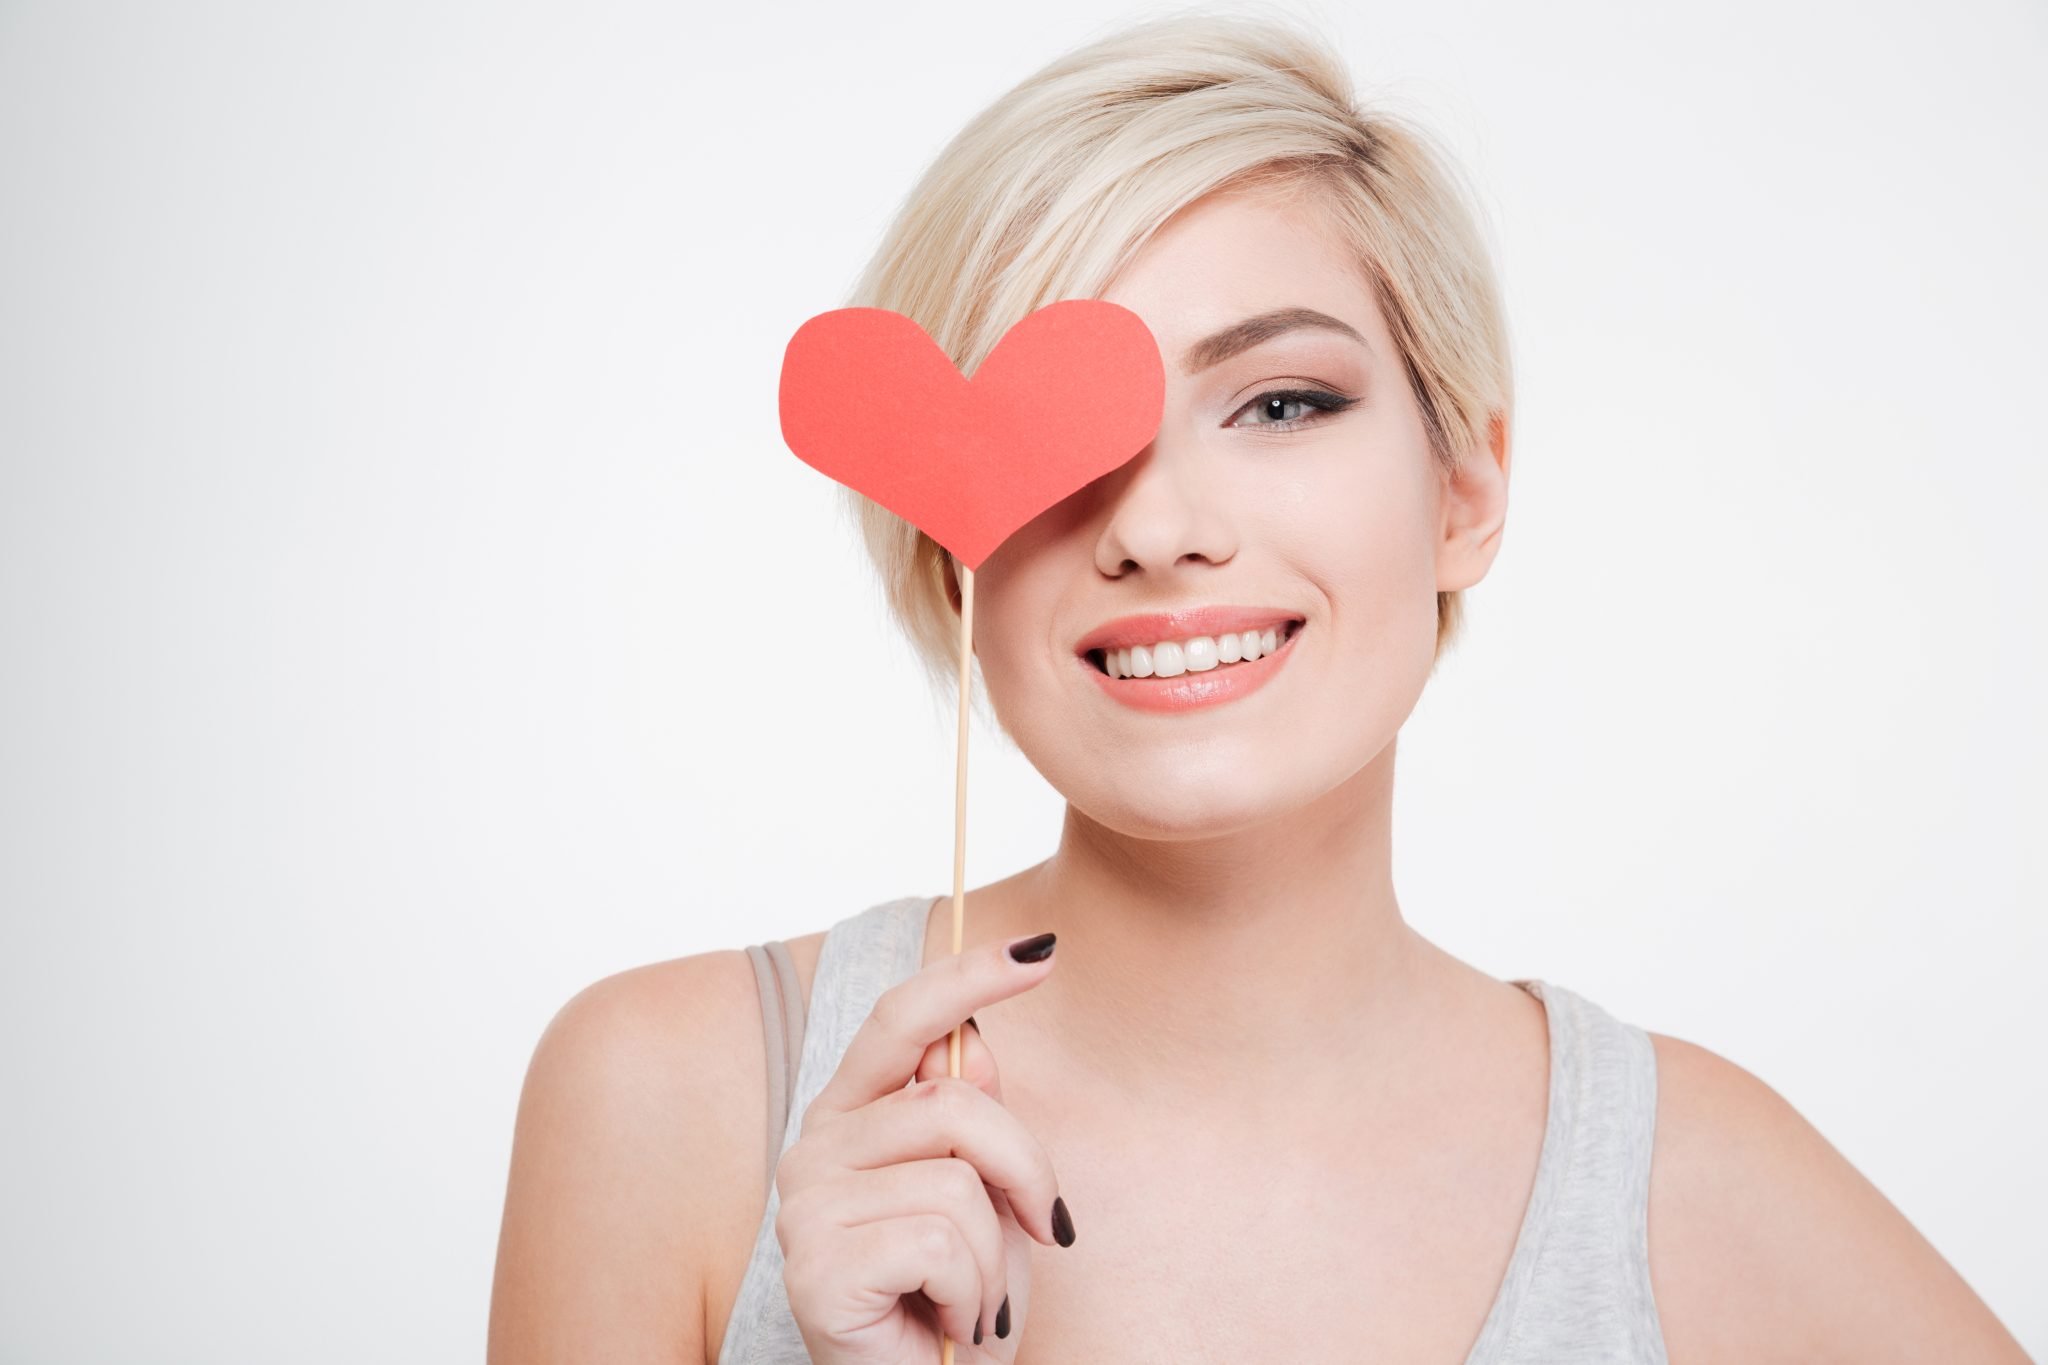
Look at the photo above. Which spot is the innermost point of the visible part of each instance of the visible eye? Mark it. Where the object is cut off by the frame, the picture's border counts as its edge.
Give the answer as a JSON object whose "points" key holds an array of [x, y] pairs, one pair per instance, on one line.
{"points": [[1280, 405]]}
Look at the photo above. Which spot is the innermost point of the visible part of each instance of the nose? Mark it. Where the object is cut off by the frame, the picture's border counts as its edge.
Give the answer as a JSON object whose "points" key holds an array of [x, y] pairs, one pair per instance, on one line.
{"points": [[1163, 510]]}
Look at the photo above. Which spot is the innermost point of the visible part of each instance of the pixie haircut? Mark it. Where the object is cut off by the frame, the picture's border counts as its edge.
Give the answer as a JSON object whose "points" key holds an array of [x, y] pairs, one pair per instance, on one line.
{"points": [[1050, 191]]}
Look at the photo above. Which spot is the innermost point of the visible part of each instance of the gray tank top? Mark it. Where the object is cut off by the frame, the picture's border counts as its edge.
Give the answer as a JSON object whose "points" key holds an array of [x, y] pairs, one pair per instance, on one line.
{"points": [[1577, 1288]]}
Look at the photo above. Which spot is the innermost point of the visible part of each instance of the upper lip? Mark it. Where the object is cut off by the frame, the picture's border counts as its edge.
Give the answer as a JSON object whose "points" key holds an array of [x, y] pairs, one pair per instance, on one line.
{"points": [[1152, 627]]}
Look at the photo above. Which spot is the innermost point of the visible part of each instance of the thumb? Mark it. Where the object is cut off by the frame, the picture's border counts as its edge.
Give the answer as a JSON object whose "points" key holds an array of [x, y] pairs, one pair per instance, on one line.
{"points": [[977, 1063]]}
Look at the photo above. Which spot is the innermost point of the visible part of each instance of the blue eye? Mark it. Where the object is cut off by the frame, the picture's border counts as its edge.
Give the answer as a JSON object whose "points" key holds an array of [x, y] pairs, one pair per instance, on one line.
{"points": [[1276, 403]]}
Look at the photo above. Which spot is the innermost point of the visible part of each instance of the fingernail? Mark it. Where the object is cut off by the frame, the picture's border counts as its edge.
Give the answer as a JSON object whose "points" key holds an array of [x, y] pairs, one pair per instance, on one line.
{"points": [[1037, 948], [977, 1330], [1062, 1223], [1003, 1318]]}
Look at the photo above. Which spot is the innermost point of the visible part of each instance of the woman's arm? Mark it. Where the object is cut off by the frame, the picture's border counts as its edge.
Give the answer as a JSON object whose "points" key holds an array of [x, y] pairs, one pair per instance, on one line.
{"points": [[633, 1139], [1768, 1245]]}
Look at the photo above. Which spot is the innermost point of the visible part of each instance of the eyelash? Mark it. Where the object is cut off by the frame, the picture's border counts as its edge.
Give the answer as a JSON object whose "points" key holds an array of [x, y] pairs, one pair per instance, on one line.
{"points": [[1320, 399]]}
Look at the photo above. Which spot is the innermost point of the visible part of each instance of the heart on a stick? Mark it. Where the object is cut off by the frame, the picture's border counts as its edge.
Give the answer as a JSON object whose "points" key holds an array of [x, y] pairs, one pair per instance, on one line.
{"points": [[1068, 394]]}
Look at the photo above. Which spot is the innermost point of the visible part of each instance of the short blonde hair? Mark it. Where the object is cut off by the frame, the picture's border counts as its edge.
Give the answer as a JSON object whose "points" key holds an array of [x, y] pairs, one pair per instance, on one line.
{"points": [[1052, 189]]}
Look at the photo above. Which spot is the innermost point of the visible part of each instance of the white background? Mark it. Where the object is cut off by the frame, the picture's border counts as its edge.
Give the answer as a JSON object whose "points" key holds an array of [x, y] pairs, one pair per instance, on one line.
{"points": [[411, 614]]}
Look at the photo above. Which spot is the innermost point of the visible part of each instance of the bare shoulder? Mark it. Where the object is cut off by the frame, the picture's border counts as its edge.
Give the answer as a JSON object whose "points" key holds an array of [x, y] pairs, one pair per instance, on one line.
{"points": [[1766, 1244], [637, 1159]]}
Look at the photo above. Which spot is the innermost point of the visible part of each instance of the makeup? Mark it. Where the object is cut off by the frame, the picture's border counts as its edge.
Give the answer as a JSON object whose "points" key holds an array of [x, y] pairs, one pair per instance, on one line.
{"points": [[1191, 690]]}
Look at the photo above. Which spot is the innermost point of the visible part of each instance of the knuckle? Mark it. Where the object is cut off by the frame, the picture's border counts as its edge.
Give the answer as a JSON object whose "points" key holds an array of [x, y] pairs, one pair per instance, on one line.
{"points": [[813, 1122], [956, 1096], [785, 1230], [887, 1014], [788, 1171], [790, 1217], [936, 1238], [963, 1181]]}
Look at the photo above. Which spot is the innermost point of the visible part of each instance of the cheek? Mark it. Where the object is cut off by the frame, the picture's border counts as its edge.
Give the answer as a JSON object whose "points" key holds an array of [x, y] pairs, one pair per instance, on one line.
{"points": [[1018, 591], [999, 654], [1362, 528], [1010, 644]]}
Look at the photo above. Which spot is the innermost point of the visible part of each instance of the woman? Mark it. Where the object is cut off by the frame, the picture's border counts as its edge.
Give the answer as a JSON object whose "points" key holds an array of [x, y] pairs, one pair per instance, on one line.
{"points": [[1243, 1111]]}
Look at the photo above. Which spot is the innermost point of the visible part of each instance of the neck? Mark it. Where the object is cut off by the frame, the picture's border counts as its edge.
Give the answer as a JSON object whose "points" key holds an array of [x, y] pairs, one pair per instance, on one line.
{"points": [[1199, 969]]}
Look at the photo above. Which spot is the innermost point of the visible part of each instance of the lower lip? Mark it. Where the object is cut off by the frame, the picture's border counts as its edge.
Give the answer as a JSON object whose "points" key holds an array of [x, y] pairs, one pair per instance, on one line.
{"points": [[1192, 691]]}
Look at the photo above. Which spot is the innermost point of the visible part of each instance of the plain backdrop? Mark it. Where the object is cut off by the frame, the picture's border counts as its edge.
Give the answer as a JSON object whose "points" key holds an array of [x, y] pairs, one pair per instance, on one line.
{"points": [[411, 614]]}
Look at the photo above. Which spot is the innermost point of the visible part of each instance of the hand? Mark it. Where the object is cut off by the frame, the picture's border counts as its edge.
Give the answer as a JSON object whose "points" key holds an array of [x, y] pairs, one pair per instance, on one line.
{"points": [[904, 1180]]}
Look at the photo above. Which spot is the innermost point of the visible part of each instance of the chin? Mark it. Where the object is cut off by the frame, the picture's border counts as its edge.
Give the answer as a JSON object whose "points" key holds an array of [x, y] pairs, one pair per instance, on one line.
{"points": [[1137, 806]]}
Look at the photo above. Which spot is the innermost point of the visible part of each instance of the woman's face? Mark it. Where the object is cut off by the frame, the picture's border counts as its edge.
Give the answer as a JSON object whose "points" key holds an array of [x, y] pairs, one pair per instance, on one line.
{"points": [[1246, 498]]}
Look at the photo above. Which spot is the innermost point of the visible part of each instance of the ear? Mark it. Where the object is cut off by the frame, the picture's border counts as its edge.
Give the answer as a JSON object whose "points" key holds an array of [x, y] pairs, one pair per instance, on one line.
{"points": [[1475, 507]]}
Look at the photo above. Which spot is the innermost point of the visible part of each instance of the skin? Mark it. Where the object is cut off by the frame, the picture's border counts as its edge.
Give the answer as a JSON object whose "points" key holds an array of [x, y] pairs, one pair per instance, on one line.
{"points": [[1280, 1117], [1231, 944], [1224, 888]]}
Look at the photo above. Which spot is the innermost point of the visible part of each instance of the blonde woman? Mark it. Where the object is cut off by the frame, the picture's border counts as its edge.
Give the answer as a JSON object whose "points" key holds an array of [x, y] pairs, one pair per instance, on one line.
{"points": [[1220, 1102]]}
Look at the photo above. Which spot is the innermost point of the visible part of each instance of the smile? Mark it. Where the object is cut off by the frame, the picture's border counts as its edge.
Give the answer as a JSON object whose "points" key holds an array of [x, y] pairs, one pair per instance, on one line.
{"points": [[1198, 654], [1195, 671]]}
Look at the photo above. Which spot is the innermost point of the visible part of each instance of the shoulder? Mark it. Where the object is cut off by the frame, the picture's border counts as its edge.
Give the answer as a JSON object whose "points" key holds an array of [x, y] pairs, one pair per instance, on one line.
{"points": [[637, 1160], [1767, 1244]]}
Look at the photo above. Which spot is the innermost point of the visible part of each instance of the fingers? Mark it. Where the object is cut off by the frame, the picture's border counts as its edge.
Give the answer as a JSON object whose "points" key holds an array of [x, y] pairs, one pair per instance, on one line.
{"points": [[939, 1118], [942, 1185], [890, 1043], [977, 1062], [907, 1178], [919, 1251]]}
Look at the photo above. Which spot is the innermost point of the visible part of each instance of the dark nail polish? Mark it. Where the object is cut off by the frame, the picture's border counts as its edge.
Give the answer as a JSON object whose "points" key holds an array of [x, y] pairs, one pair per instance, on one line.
{"points": [[977, 1329], [1062, 1223], [1037, 948], [1003, 1318]]}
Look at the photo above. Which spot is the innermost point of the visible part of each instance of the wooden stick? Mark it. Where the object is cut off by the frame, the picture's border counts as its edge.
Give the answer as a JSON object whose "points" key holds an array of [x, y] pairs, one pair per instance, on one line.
{"points": [[960, 828]]}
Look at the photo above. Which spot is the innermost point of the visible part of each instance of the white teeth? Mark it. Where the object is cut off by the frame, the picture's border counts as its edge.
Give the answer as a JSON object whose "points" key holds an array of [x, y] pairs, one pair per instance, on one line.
{"points": [[1171, 658]]}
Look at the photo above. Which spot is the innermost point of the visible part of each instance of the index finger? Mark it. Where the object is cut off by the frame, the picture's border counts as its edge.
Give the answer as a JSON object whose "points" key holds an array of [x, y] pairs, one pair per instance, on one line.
{"points": [[890, 1042]]}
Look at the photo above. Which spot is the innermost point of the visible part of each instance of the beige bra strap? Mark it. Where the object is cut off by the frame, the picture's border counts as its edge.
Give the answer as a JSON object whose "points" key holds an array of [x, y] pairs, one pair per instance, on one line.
{"points": [[782, 1026]]}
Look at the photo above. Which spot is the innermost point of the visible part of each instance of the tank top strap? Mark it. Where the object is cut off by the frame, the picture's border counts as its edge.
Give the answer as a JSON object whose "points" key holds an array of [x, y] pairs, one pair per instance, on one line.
{"points": [[862, 956], [782, 1031], [1578, 1281], [1579, 1278]]}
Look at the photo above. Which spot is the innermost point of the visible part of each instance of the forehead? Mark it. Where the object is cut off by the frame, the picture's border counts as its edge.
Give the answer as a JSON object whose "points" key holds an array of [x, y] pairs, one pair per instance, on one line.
{"points": [[1228, 256]]}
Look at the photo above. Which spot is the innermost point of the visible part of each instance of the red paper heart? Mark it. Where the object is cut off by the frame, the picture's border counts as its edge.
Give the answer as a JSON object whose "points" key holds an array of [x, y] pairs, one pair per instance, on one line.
{"points": [[1068, 394]]}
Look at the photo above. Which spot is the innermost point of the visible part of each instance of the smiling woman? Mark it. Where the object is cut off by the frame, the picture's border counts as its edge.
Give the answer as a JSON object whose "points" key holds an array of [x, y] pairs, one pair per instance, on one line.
{"points": [[1054, 190], [1263, 1098]]}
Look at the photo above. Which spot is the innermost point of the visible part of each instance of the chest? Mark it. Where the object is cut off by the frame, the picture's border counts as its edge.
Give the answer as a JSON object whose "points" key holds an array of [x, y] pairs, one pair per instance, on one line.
{"points": [[1383, 1251]]}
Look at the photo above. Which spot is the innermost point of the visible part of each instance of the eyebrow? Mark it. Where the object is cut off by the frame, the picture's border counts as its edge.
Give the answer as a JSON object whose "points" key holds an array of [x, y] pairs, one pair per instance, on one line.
{"points": [[1220, 346]]}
